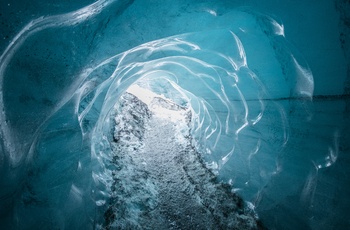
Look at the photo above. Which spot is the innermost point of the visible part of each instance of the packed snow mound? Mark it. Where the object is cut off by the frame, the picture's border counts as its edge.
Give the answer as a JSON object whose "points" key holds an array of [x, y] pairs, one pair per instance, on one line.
{"points": [[161, 182]]}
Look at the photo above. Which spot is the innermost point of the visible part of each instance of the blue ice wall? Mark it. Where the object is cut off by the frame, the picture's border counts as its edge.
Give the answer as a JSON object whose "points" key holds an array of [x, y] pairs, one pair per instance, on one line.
{"points": [[268, 83]]}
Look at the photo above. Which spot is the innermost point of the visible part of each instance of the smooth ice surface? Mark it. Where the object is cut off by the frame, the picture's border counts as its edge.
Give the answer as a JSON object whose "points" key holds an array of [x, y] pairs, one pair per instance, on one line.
{"points": [[267, 83]]}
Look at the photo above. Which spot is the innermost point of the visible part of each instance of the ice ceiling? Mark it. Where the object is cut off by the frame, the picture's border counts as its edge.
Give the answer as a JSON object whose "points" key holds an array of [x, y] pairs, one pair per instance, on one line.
{"points": [[270, 112]]}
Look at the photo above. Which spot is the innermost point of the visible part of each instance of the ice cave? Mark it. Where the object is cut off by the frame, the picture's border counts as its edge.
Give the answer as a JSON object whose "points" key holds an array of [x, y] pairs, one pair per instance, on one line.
{"points": [[175, 114]]}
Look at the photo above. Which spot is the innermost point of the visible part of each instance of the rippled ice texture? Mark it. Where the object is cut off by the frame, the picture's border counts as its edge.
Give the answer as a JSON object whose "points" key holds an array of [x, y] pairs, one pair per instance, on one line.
{"points": [[265, 121]]}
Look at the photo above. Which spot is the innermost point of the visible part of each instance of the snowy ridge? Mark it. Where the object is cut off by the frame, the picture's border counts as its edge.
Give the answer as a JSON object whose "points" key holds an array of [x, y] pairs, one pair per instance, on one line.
{"points": [[161, 182]]}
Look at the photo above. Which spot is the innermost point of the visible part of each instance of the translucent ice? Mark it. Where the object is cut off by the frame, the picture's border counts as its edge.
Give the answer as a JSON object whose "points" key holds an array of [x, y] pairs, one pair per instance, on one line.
{"points": [[263, 120]]}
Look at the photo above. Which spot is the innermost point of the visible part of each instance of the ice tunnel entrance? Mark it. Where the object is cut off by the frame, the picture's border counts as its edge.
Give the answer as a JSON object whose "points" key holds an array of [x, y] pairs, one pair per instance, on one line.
{"points": [[160, 181]]}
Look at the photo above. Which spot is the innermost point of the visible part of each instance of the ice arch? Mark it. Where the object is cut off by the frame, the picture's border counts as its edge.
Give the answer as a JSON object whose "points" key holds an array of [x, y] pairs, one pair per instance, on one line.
{"points": [[248, 88]]}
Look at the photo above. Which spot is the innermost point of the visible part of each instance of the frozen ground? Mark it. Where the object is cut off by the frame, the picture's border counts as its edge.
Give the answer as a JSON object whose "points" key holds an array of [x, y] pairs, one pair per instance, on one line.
{"points": [[161, 182]]}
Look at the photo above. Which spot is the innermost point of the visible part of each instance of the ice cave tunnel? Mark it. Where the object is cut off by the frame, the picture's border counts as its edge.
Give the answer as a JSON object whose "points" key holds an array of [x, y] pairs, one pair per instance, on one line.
{"points": [[174, 114]]}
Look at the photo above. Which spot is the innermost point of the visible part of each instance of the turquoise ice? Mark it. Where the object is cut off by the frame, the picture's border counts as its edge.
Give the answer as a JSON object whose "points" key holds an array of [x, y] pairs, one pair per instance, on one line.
{"points": [[267, 85]]}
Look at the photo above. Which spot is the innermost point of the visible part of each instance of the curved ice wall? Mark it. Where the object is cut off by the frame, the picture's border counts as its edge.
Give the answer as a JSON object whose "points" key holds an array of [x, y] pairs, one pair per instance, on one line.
{"points": [[264, 121]]}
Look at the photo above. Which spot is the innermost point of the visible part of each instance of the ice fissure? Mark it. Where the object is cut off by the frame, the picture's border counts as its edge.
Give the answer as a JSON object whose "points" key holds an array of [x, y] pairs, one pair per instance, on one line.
{"points": [[252, 111]]}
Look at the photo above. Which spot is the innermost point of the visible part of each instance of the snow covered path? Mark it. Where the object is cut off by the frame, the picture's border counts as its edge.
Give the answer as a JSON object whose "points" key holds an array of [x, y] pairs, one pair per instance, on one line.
{"points": [[162, 182], [171, 162]]}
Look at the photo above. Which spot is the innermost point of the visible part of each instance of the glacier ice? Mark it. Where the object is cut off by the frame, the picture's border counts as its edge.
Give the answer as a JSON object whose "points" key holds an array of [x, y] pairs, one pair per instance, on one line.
{"points": [[269, 99]]}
